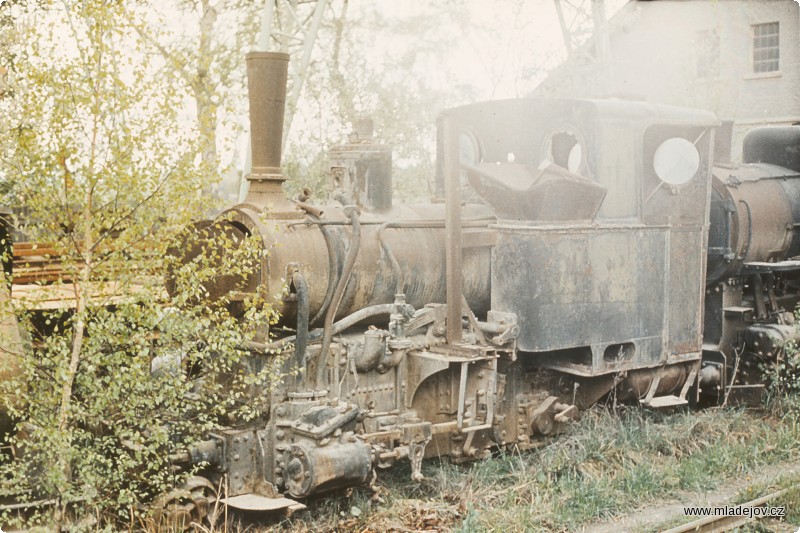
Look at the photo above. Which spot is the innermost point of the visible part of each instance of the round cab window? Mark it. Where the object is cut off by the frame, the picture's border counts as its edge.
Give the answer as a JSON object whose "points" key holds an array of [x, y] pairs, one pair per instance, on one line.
{"points": [[575, 158], [566, 151], [676, 161]]}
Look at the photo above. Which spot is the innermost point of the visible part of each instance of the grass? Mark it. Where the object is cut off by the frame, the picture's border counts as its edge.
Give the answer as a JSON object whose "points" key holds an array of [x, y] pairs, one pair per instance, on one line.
{"points": [[609, 464]]}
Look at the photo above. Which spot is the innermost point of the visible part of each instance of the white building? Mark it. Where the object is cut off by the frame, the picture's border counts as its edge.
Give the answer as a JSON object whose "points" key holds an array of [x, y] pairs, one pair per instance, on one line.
{"points": [[737, 58]]}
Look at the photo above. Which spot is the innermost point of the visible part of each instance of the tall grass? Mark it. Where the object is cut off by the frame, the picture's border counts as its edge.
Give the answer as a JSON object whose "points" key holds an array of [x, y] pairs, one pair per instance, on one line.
{"points": [[608, 464]]}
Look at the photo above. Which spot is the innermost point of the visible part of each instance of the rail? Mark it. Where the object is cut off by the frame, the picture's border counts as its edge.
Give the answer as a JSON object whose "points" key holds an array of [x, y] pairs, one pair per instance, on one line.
{"points": [[713, 524]]}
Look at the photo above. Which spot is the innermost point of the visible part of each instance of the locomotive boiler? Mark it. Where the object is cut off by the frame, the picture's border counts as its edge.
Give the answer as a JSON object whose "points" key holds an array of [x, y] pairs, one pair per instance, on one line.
{"points": [[568, 258]]}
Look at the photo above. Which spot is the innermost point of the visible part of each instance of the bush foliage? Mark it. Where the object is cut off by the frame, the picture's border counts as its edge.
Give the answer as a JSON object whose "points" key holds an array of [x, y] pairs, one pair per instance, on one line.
{"points": [[113, 375]]}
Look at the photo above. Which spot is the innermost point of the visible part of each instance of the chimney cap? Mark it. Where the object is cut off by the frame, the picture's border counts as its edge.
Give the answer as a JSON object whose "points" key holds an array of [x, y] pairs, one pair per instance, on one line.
{"points": [[266, 55]]}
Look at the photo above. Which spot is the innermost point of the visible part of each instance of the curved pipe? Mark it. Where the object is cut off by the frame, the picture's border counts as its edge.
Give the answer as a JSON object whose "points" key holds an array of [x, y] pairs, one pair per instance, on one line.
{"points": [[332, 262], [749, 228], [400, 286], [345, 323], [317, 366]]}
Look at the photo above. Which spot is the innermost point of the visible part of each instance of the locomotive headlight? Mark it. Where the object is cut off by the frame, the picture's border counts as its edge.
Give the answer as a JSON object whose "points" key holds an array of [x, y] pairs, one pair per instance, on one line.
{"points": [[676, 161]]}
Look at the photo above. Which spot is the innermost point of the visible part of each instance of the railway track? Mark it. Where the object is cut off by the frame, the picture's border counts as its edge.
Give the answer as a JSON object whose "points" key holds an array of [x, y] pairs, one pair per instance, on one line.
{"points": [[714, 524]]}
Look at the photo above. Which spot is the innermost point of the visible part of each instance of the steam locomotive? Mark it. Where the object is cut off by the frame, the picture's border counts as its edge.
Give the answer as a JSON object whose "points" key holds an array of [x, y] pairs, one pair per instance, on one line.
{"points": [[578, 249], [582, 249]]}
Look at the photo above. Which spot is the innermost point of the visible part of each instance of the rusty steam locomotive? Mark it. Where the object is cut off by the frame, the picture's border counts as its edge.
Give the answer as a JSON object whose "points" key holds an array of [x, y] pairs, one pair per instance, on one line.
{"points": [[583, 248]]}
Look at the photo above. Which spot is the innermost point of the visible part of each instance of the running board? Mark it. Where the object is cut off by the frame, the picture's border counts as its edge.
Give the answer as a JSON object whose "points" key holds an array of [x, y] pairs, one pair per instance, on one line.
{"points": [[256, 502], [663, 402]]}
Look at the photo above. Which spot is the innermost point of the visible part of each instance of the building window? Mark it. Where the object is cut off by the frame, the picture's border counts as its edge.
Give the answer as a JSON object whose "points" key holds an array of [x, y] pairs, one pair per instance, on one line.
{"points": [[707, 46], [766, 48]]}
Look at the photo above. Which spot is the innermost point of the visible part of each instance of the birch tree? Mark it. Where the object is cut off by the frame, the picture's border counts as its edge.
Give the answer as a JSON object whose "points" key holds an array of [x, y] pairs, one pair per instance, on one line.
{"points": [[94, 146], [202, 44]]}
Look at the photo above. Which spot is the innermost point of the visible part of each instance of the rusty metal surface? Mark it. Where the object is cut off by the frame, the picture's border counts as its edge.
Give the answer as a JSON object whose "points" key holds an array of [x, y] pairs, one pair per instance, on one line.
{"points": [[417, 243], [603, 264], [679, 206], [754, 217], [266, 83], [490, 320], [583, 286], [684, 290], [315, 468], [256, 502]]}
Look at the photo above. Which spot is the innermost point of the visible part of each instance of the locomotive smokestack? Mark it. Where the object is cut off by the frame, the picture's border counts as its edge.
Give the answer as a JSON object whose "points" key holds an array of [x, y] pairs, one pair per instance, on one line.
{"points": [[266, 84]]}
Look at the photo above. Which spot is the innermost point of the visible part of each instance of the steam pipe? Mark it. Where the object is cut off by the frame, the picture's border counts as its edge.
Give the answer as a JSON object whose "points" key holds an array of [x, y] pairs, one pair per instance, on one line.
{"points": [[347, 270], [331, 273], [302, 318], [398, 272], [310, 209], [347, 322], [410, 224], [453, 249]]}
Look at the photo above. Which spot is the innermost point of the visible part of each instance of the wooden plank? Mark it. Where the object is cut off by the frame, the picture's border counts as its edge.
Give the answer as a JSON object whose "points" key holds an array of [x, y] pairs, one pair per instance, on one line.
{"points": [[27, 252], [63, 296]]}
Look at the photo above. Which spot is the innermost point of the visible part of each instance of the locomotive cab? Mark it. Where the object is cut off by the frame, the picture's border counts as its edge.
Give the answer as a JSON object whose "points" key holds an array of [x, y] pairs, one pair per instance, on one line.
{"points": [[601, 260]]}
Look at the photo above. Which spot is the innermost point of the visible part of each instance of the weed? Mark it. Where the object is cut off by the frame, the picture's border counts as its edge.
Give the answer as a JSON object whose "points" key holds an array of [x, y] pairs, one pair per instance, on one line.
{"points": [[605, 466]]}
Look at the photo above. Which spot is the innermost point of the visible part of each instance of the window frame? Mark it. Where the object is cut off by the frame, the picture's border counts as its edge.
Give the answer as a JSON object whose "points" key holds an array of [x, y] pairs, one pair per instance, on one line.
{"points": [[755, 62]]}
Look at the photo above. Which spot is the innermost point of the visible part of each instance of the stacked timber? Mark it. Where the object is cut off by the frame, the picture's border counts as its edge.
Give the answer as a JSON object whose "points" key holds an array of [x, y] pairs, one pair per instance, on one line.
{"points": [[37, 262]]}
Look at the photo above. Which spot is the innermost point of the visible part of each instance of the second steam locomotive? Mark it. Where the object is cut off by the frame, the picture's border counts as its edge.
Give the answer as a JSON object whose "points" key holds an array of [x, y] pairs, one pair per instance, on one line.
{"points": [[583, 248]]}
